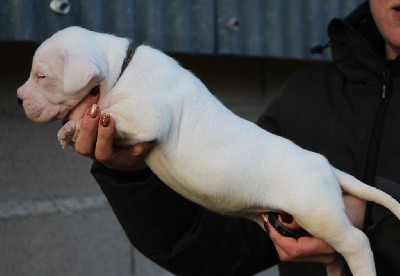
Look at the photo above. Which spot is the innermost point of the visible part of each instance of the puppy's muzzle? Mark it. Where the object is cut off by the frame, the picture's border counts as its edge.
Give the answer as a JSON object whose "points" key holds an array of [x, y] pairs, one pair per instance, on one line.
{"points": [[20, 101]]}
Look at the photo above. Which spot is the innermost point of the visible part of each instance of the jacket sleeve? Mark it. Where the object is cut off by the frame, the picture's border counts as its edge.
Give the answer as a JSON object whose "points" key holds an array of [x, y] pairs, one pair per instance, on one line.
{"points": [[179, 235], [384, 232]]}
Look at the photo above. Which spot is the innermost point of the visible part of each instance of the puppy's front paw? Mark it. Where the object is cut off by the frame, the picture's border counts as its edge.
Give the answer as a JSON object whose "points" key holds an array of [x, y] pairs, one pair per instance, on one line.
{"points": [[68, 133]]}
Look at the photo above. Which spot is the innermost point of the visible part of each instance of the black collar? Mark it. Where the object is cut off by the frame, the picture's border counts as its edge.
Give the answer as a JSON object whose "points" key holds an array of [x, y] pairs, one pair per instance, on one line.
{"points": [[128, 57]]}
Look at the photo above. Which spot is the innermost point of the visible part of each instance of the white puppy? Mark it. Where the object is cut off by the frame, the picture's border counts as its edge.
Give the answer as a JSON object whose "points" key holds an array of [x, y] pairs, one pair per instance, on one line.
{"points": [[204, 151]]}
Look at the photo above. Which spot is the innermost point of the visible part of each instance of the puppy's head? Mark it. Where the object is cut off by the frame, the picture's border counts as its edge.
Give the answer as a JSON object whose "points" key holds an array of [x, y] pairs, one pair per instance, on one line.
{"points": [[63, 73]]}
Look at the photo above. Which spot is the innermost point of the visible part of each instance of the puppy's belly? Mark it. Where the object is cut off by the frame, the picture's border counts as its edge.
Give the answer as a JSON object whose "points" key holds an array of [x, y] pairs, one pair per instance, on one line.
{"points": [[228, 186], [193, 188], [263, 172]]}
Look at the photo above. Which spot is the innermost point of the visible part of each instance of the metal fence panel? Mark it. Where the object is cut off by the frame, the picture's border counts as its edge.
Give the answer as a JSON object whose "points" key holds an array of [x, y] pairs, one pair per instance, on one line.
{"points": [[178, 25], [273, 28], [277, 28]]}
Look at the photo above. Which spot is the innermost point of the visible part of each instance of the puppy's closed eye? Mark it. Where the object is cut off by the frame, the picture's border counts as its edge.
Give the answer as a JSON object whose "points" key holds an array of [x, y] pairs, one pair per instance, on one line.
{"points": [[45, 81], [41, 79], [40, 71]]}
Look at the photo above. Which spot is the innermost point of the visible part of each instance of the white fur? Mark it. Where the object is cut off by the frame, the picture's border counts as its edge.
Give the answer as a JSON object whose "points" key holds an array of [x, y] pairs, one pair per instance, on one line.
{"points": [[204, 151]]}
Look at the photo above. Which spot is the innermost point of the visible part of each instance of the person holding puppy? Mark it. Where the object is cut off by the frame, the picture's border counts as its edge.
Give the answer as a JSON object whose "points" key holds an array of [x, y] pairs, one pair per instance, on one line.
{"points": [[347, 110]]}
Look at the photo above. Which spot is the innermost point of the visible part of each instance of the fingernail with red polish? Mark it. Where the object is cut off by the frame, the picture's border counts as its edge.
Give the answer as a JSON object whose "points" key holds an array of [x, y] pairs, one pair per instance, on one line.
{"points": [[286, 218], [105, 120], [265, 221], [93, 111]]}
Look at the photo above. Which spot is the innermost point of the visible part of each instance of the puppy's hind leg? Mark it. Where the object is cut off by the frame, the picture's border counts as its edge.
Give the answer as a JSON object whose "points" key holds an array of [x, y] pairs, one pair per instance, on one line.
{"points": [[350, 242], [356, 250]]}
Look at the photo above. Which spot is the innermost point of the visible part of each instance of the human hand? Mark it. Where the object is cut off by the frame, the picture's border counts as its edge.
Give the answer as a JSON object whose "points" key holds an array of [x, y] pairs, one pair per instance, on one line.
{"points": [[303, 249], [95, 139], [312, 249]]}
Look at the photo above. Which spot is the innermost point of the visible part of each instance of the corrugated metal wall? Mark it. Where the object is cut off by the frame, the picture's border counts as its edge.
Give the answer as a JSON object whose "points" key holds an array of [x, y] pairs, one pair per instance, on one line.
{"points": [[276, 28]]}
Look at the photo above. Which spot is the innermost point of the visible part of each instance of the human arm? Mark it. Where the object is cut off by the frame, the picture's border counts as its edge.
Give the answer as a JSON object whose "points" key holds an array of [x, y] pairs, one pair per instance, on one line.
{"points": [[179, 235], [172, 231]]}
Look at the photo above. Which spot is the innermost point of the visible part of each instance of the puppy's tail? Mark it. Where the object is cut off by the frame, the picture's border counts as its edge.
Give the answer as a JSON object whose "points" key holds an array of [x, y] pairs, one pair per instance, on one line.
{"points": [[359, 189]]}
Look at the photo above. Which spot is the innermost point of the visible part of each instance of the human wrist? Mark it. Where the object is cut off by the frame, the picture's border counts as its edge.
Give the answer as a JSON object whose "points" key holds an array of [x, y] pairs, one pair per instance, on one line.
{"points": [[355, 210]]}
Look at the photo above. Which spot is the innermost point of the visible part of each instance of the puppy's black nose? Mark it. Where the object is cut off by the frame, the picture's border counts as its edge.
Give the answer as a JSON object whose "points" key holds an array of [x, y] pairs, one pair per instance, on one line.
{"points": [[20, 101]]}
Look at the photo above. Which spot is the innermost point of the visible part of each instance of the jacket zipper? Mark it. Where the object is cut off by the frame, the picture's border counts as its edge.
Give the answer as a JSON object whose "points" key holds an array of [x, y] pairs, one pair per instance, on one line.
{"points": [[386, 80], [375, 142]]}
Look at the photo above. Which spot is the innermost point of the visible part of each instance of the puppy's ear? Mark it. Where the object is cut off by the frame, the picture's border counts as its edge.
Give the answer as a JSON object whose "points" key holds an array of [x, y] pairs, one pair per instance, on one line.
{"points": [[79, 71]]}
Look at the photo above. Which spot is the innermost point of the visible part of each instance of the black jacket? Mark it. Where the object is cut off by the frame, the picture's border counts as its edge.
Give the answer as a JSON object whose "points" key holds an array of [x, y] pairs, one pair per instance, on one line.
{"points": [[348, 110]]}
